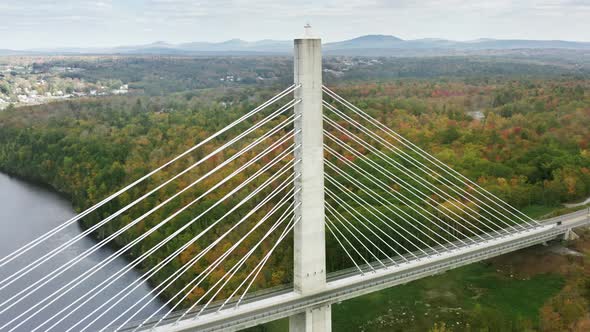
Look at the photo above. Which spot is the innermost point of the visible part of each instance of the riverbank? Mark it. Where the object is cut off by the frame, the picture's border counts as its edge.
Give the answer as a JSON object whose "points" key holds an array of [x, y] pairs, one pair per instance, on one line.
{"points": [[38, 182]]}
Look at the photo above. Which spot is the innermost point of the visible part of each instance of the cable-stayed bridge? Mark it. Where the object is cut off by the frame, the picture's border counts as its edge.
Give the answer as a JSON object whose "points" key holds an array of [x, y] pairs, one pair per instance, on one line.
{"points": [[305, 187]]}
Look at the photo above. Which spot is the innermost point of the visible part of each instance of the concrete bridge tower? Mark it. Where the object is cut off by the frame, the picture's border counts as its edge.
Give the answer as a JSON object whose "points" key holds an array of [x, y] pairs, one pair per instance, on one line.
{"points": [[309, 233]]}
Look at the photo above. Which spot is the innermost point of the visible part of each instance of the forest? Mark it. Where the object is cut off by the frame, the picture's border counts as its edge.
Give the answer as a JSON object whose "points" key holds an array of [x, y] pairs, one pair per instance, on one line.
{"points": [[525, 138]]}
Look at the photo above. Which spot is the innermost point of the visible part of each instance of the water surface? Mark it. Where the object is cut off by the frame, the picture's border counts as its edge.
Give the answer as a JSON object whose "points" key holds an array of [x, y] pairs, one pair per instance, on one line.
{"points": [[27, 211]]}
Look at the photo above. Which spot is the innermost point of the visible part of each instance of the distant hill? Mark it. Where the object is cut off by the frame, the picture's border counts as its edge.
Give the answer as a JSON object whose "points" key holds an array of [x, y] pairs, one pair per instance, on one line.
{"points": [[364, 45], [367, 42], [4, 52], [240, 45], [520, 44], [378, 44]]}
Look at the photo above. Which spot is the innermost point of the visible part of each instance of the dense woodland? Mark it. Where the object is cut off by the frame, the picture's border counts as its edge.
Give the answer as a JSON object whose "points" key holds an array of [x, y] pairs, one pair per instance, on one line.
{"points": [[524, 139]]}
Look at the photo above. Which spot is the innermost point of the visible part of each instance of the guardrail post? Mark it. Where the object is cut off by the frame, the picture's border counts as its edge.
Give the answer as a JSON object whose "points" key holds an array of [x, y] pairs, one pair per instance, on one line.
{"points": [[309, 234]]}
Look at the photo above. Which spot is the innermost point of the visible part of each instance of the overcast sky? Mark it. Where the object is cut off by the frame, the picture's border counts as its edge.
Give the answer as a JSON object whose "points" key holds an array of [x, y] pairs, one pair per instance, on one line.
{"points": [[87, 23]]}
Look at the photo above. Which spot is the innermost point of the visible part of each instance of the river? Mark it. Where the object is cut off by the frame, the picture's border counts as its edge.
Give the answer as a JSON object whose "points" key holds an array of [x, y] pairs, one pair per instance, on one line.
{"points": [[27, 211]]}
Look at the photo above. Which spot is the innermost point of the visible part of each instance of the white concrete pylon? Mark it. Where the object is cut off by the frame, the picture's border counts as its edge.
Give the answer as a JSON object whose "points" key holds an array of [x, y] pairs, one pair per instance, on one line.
{"points": [[310, 258], [309, 234]]}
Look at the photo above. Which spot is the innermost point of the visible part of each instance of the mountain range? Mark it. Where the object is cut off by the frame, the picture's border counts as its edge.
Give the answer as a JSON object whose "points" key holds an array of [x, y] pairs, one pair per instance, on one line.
{"points": [[364, 45]]}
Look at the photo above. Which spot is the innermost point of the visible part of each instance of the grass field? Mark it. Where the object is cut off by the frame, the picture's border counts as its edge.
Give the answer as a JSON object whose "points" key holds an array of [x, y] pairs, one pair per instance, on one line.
{"points": [[539, 211], [543, 211], [473, 293]]}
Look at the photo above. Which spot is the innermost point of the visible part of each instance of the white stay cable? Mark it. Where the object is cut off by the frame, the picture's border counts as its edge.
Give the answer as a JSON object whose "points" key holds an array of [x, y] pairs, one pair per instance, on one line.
{"points": [[353, 213], [230, 273], [121, 251], [344, 248], [343, 221], [228, 195], [330, 222], [211, 268], [371, 193], [361, 202], [177, 274], [200, 277], [138, 282], [283, 234], [151, 316], [429, 186], [7, 259], [72, 262], [31, 266], [145, 255], [411, 174], [254, 273], [386, 204], [448, 170], [384, 186]]}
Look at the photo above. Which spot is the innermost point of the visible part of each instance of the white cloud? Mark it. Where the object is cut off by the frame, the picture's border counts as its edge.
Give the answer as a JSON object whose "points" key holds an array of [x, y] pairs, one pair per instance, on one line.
{"points": [[108, 22]]}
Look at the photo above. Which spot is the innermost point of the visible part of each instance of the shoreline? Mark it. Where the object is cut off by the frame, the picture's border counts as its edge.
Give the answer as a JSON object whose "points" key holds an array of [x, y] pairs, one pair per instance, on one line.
{"points": [[41, 184]]}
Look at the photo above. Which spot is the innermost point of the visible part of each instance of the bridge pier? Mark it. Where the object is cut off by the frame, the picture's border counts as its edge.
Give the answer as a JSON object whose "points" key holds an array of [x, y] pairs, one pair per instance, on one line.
{"points": [[569, 235], [318, 319], [309, 273]]}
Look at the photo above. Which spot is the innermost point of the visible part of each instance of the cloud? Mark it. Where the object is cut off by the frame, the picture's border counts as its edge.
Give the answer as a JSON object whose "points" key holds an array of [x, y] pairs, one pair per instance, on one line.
{"points": [[50, 11], [109, 22]]}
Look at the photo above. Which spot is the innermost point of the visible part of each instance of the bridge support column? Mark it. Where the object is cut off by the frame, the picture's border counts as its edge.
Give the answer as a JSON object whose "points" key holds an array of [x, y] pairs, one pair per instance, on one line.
{"points": [[312, 320], [570, 235], [309, 234]]}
